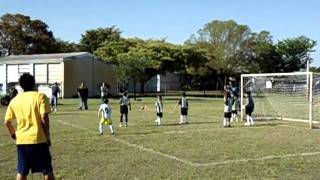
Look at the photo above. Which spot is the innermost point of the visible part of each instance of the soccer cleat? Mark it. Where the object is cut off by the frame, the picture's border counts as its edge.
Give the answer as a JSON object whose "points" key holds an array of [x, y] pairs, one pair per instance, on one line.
{"points": [[120, 125], [247, 124], [100, 133]]}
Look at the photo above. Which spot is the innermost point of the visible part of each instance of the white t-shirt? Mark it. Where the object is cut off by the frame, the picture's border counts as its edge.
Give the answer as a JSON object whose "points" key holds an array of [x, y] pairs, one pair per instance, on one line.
{"points": [[104, 91], [106, 111]]}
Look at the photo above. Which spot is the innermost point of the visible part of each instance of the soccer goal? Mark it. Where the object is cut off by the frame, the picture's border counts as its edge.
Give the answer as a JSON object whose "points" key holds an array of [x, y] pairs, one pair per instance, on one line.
{"points": [[283, 96]]}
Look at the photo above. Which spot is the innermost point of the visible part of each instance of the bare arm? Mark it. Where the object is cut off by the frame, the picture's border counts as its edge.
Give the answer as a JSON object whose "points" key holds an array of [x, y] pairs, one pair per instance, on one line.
{"points": [[11, 129], [46, 127]]}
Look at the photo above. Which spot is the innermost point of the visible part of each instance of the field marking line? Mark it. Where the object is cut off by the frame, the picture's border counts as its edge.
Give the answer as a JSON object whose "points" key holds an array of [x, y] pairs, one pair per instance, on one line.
{"points": [[132, 145], [258, 159], [193, 163]]}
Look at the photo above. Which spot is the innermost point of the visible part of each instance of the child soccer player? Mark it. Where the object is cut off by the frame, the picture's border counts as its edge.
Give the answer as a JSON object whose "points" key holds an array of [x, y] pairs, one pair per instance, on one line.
{"points": [[227, 109], [249, 109], [159, 109], [105, 113], [235, 107], [124, 103], [184, 109]]}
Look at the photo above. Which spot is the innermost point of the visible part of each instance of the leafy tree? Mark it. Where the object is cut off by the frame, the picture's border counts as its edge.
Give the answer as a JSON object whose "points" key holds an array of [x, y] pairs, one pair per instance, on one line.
{"points": [[21, 35], [62, 46], [222, 40], [295, 53], [93, 39], [315, 69]]}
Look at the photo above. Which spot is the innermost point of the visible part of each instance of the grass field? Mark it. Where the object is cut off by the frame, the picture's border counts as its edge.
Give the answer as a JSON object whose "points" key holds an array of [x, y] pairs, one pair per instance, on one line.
{"points": [[199, 150]]}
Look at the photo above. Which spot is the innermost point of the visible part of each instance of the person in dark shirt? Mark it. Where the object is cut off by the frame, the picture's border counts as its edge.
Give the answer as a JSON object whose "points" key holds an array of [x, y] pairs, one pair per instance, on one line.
{"points": [[83, 96], [54, 96], [249, 109], [13, 92]]}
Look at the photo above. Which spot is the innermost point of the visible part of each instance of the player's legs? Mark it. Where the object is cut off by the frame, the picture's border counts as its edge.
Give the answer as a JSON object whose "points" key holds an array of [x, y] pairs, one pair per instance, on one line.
{"points": [[126, 119], [55, 102], [85, 102], [100, 128], [21, 177], [80, 103], [248, 120], [49, 176], [121, 120], [251, 120], [181, 119]]}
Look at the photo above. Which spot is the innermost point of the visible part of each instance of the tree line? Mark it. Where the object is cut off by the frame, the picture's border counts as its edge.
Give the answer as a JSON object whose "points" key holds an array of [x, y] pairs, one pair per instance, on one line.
{"points": [[204, 61]]}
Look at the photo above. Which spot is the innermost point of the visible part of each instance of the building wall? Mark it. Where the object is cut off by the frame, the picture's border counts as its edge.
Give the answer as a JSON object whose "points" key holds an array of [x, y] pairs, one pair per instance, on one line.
{"points": [[105, 73], [75, 71]]}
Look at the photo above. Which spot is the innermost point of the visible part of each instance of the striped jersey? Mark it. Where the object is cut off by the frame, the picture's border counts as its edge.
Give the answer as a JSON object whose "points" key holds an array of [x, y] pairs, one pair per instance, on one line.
{"points": [[159, 106], [106, 111], [184, 102], [124, 101], [228, 105]]}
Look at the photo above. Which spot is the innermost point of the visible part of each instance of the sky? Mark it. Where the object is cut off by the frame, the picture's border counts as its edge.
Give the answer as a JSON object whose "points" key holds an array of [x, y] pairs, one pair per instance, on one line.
{"points": [[174, 20]]}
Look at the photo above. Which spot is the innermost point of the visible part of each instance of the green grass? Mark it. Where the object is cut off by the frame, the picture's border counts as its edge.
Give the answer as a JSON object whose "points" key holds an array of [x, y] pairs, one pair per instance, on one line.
{"points": [[203, 150]]}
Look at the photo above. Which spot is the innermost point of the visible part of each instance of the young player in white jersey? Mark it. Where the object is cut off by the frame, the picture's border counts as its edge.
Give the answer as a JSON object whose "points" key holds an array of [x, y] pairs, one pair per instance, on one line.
{"points": [[249, 109], [235, 107], [159, 109], [184, 109], [104, 114], [227, 109]]}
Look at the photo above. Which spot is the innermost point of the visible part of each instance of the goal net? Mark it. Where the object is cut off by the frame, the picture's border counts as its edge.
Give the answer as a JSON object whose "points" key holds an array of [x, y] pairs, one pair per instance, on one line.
{"points": [[283, 96]]}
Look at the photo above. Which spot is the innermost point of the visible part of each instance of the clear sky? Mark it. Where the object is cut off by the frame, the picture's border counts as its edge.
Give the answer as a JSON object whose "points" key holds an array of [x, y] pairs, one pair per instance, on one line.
{"points": [[174, 20]]}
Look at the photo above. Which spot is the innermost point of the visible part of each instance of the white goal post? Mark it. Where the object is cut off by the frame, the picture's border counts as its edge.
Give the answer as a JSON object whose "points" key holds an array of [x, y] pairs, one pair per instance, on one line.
{"points": [[283, 96]]}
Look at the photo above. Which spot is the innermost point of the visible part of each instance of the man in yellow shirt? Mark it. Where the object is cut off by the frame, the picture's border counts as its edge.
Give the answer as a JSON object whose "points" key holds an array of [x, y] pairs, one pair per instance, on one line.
{"points": [[30, 110]]}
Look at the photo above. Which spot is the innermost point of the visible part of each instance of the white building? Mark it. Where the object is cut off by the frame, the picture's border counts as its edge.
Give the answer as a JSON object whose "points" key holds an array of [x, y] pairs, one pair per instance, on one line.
{"points": [[67, 69]]}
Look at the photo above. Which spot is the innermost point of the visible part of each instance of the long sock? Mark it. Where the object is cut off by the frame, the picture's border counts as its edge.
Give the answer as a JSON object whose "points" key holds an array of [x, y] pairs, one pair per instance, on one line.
{"points": [[232, 117], [181, 119], [100, 128], [251, 120], [248, 119], [159, 122], [111, 129]]}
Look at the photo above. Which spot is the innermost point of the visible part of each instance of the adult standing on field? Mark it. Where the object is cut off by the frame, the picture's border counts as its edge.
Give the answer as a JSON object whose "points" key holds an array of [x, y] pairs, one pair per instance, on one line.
{"points": [[54, 96], [124, 104], [83, 96], [30, 109], [104, 91]]}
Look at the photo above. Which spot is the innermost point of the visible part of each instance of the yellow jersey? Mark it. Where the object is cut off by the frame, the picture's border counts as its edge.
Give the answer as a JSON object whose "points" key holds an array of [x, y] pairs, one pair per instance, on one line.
{"points": [[26, 108]]}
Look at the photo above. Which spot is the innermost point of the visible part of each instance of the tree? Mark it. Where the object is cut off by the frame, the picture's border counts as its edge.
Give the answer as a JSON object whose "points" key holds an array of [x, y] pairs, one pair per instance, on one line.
{"points": [[295, 53], [93, 39], [222, 40], [62, 46], [21, 35], [136, 65]]}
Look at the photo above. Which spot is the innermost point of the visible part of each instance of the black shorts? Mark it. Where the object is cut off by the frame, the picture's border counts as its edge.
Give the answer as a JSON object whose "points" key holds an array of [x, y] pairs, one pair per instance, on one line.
{"points": [[160, 115], [124, 109], [36, 157], [234, 112], [184, 111], [249, 110], [227, 115]]}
